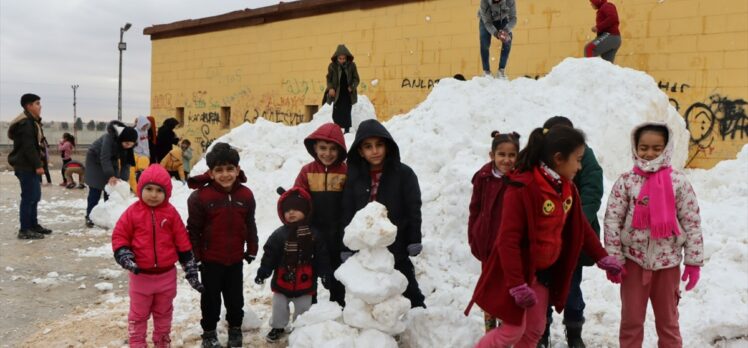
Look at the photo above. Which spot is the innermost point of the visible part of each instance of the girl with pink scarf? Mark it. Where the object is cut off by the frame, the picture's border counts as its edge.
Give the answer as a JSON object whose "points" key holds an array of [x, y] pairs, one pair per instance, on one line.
{"points": [[651, 221]]}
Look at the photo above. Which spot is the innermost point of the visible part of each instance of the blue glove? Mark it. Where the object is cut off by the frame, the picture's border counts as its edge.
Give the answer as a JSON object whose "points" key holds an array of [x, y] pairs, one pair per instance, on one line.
{"points": [[414, 249]]}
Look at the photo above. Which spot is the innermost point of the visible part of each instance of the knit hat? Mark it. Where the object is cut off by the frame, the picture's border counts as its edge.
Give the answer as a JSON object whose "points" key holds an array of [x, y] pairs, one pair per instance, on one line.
{"points": [[29, 98], [126, 134], [296, 202]]}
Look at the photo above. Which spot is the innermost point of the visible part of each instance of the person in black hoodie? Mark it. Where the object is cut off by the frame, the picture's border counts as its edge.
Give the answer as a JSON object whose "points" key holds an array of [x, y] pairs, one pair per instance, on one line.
{"points": [[375, 173], [165, 139]]}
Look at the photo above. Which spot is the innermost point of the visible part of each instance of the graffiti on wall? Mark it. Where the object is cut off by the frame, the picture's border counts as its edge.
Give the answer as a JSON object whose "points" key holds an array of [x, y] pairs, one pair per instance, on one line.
{"points": [[284, 109], [419, 83], [205, 117]]}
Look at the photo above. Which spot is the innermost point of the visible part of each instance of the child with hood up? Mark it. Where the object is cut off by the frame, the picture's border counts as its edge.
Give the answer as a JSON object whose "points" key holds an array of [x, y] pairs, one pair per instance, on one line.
{"points": [[342, 82], [651, 222]]}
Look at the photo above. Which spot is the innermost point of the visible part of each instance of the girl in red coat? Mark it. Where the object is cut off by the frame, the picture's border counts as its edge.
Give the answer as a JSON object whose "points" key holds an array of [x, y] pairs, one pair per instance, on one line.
{"points": [[489, 185], [148, 239], [541, 236]]}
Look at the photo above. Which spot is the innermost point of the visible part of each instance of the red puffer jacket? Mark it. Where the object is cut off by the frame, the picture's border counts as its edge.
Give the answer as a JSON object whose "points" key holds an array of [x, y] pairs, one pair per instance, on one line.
{"points": [[220, 222], [155, 234]]}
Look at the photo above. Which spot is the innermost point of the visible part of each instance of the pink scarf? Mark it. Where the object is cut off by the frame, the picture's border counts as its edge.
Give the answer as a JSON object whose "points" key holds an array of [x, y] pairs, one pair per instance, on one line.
{"points": [[655, 206]]}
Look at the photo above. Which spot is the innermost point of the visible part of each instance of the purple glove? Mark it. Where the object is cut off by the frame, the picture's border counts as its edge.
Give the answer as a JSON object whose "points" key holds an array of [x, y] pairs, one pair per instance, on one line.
{"points": [[610, 264], [692, 274], [616, 278], [524, 296]]}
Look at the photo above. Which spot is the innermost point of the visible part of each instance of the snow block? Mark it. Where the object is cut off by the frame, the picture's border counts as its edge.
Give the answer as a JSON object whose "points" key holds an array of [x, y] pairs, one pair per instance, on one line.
{"points": [[328, 334], [372, 287], [320, 312], [375, 339], [370, 228], [386, 316]]}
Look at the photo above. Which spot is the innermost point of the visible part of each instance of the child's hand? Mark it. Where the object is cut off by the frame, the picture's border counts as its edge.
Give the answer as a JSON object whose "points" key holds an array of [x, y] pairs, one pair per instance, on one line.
{"points": [[414, 249], [125, 258], [191, 273], [262, 274], [331, 93], [616, 278], [594, 29], [692, 274], [249, 258], [344, 255], [350, 89], [524, 296], [610, 264], [113, 181]]}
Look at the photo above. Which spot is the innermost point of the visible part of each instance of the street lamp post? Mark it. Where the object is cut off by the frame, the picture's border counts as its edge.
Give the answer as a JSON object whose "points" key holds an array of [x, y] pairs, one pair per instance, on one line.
{"points": [[75, 113], [122, 46]]}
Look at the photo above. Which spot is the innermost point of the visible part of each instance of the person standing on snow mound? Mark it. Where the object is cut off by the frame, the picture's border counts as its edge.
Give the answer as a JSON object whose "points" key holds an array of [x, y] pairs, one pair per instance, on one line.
{"points": [[324, 179], [166, 138], [539, 242], [342, 82], [108, 160], [652, 219], [589, 182], [375, 173], [295, 255], [221, 222], [26, 159], [608, 39], [496, 18], [147, 240]]}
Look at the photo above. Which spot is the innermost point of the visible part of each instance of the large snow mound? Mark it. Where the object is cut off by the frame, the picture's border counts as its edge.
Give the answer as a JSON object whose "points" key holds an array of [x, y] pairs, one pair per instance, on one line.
{"points": [[445, 140]]}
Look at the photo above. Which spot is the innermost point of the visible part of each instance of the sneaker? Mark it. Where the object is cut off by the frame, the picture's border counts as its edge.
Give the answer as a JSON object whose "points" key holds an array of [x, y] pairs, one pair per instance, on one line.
{"points": [[210, 340], [81, 186], [89, 223], [40, 229], [274, 335], [29, 234], [235, 337], [501, 74], [487, 73], [70, 185]]}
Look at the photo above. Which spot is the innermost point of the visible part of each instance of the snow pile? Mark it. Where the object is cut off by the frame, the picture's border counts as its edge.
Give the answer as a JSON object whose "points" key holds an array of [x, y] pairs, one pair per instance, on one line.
{"points": [[445, 140], [106, 213]]}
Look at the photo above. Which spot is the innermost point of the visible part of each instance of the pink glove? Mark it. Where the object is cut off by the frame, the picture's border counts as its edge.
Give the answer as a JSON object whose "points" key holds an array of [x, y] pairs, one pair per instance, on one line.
{"points": [[616, 278], [692, 274], [610, 264], [523, 295]]}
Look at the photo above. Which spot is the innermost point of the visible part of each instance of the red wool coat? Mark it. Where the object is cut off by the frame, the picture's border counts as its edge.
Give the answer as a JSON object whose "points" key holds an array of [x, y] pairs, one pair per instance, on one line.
{"points": [[485, 211], [511, 264]]}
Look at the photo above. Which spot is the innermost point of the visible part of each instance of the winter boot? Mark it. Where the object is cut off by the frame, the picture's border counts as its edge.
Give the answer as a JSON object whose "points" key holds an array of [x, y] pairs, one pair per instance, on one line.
{"points": [[501, 74], [89, 223], [235, 337], [274, 335], [29, 234], [574, 335], [210, 340], [40, 229]]}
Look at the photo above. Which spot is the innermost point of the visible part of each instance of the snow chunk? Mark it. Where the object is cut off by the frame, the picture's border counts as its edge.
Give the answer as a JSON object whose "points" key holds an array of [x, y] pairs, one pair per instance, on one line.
{"points": [[440, 327], [104, 286], [370, 228], [375, 339], [320, 312], [385, 316], [328, 334], [372, 287]]}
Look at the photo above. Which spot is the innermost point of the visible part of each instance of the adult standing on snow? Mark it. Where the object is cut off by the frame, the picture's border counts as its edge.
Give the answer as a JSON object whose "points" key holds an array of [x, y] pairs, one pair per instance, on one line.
{"points": [[342, 81], [608, 39], [166, 138], [26, 159], [496, 18]]}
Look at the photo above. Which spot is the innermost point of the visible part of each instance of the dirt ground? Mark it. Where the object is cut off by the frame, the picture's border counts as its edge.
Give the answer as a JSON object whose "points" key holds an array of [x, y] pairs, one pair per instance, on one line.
{"points": [[49, 288]]}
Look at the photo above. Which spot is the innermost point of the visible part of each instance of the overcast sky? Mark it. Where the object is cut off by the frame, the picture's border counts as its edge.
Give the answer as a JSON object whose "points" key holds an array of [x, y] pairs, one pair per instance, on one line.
{"points": [[47, 46]]}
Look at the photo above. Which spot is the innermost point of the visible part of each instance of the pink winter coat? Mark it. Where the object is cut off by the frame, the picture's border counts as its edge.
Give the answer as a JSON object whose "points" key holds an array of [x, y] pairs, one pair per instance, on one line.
{"points": [[66, 149], [155, 234], [626, 242]]}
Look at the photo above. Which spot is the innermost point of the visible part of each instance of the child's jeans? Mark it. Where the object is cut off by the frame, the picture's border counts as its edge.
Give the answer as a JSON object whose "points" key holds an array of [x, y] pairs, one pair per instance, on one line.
{"points": [[639, 286], [526, 335], [281, 312], [151, 293]]}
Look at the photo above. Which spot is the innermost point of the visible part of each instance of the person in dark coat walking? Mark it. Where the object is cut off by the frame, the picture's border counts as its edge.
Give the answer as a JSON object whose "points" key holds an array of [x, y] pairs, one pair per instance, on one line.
{"points": [[108, 160], [165, 139], [342, 81], [26, 159], [375, 173]]}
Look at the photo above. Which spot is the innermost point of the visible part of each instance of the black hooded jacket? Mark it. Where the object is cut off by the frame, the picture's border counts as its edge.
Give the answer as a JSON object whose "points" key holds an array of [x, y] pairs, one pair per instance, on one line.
{"points": [[165, 138], [398, 188]]}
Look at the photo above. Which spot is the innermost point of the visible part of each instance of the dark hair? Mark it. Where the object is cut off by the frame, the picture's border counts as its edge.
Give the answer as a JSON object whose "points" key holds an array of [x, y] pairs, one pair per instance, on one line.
{"points": [[69, 137], [662, 130], [222, 154], [459, 77], [546, 142], [170, 123], [186, 141], [500, 138], [557, 121], [29, 98]]}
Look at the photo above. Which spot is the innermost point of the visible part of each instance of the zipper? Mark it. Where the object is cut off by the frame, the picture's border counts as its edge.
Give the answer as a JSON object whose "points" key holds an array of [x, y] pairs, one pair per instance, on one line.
{"points": [[230, 216], [153, 225], [325, 178]]}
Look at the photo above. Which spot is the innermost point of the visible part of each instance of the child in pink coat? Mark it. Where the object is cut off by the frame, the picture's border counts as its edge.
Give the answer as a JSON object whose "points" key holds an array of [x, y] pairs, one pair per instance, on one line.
{"points": [[652, 220], [148, 239]]}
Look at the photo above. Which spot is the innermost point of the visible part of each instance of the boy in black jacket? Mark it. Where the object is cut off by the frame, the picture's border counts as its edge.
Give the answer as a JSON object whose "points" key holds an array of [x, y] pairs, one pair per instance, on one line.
{"points": [[297, 254], [375, 173]]}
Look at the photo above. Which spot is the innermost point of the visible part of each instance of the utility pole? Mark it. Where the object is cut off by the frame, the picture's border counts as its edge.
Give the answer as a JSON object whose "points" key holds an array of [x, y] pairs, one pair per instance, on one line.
{"points": [[75, 113], [121, 47]]}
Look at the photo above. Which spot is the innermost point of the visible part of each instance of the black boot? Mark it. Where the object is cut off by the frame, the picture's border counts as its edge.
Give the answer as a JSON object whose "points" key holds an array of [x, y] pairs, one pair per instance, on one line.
{"points": [[40, 229], [210, 340], [545, 340], [29, 234], [235, 337], [274, 335], [574, 335]]}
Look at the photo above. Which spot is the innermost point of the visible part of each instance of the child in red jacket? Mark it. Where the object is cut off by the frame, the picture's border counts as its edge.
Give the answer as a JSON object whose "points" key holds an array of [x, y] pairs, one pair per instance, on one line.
{"points": [[324, 179], [489, 184], [221, 221], [608, 39], [541, 236], [148, 238]]}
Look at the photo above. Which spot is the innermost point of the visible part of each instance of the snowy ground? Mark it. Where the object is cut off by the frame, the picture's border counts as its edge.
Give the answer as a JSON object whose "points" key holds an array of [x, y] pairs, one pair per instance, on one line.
{"points": [[445, 140]]}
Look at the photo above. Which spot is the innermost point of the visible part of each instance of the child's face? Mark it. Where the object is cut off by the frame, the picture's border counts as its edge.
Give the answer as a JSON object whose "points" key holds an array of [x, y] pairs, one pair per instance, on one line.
{"points": [[342, 58], [373, 150], [128, 144], [293, 215], [327, 152], [504, 157], [650, 146], [569, 167], [153, 195], [225, 175], [34, 108]]}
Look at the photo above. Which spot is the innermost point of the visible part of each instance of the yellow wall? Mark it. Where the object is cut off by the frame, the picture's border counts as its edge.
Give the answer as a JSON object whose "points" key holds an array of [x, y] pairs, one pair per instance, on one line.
{"points": [[696, 49]]}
